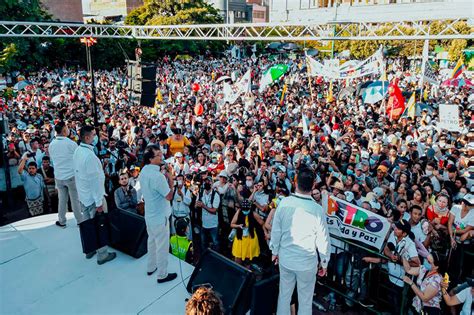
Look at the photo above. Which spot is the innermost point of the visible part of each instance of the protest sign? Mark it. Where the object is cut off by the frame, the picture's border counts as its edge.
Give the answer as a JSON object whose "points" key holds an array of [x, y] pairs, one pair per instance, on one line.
{"points": [[355, 223], [449, 117]]}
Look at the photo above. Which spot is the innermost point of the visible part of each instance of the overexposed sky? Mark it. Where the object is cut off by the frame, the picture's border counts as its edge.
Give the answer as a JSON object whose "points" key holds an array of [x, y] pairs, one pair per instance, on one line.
{"points": [[85, 6]]}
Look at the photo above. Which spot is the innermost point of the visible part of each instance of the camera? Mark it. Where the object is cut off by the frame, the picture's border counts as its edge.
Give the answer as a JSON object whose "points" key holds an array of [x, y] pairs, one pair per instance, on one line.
{"points": [[30, 154]]}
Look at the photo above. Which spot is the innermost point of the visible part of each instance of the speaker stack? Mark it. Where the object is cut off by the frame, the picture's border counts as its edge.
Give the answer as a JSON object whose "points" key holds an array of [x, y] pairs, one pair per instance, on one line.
{"points": [[142, 83], [232, 282]]}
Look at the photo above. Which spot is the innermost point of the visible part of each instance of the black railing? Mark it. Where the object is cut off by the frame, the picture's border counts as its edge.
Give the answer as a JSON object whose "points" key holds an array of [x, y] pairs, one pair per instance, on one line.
{"points": [[362, 283]]}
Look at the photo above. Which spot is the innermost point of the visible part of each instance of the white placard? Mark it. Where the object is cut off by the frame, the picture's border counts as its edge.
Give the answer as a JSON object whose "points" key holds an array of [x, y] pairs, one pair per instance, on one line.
{"points": [[449, 117]]}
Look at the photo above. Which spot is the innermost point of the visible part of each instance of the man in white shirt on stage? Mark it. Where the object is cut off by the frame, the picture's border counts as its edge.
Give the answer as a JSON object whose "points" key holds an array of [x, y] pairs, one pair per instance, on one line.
{"points": [[61, 151], [299, 232], [90, 183], [157, 191]]}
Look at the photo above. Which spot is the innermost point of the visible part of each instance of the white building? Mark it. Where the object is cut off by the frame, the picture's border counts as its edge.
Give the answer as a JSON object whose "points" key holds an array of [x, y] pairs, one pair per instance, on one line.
{"points": [[369, 10]]}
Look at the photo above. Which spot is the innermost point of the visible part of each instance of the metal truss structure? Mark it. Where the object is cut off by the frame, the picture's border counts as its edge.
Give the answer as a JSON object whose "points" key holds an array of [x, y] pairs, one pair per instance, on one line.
{"points": [[340, 30]]}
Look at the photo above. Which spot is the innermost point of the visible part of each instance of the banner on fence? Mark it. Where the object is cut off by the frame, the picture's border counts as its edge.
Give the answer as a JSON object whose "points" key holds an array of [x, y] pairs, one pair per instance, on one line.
{"points": [[355, 223]]}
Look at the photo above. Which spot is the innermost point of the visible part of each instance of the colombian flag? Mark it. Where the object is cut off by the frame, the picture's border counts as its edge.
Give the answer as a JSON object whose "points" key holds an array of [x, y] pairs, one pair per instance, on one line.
{"points": [[458, 69]]}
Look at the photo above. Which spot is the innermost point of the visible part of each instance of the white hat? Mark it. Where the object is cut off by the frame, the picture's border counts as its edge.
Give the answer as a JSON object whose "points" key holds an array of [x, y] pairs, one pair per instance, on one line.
{"points": [[349, 196], [223, 174]]}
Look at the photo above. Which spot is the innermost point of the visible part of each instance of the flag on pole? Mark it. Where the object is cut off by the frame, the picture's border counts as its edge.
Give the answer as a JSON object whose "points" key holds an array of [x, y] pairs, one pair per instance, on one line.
{"points": [[330, 97], [396, 102], [159, 97], [411, 107], [429, 74], [285, 87], [305, 125], [242, 86], [271, 75], [424, 60], [458, 69]]}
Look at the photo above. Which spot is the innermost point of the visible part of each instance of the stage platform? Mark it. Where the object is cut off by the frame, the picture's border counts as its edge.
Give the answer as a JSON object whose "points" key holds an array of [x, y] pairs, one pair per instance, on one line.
{"points": [[43, 271]]}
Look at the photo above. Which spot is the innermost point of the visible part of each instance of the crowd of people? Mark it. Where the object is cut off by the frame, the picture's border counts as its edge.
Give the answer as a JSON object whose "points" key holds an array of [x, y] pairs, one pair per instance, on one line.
{"points": [[232, 164]]}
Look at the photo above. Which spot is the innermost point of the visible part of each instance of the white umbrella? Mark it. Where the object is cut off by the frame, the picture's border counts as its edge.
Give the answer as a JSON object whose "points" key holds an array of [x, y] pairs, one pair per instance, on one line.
{"points": [[224, 77], [57, 98]]}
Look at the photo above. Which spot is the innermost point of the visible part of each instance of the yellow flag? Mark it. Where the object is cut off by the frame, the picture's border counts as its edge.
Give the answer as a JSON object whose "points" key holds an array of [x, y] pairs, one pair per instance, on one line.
{"points": [[411, 106], [159, 97], [330, 97], [283, 94], [425, 94]]}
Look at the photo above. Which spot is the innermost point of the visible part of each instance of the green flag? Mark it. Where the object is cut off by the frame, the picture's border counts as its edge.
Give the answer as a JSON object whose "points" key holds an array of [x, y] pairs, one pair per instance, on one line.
{"points": [[271, 75]]}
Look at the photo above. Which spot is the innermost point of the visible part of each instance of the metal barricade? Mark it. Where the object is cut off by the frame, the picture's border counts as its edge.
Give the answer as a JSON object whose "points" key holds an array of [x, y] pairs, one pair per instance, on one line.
{"points": [[361, 281]]}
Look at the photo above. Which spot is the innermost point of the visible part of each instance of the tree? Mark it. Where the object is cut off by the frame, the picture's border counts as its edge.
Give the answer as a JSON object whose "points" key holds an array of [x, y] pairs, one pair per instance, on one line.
{"points": [[174, 12]]}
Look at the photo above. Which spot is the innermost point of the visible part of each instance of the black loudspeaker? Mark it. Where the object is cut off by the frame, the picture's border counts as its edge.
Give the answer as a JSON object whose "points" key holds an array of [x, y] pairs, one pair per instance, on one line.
{"points": [[147, 99], [231, 281], [265, 296], [128, 233], [4, 126], [148, 73], [148, 87]]}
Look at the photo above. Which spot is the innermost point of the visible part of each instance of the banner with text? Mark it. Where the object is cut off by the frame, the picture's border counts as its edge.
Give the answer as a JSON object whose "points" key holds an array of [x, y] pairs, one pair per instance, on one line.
{"points": [[332, 70], [355, 223], [449, 117]]}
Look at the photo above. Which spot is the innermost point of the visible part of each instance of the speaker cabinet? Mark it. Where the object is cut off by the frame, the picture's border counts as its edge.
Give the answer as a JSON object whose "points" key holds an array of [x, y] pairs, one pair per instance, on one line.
{"points": [[231, 281], [128, 233]]}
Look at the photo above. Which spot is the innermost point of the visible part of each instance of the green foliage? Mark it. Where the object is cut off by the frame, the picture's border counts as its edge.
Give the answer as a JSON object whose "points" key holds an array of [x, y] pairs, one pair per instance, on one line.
{"points": [[456, 48], [174, 12], [23, 10]]}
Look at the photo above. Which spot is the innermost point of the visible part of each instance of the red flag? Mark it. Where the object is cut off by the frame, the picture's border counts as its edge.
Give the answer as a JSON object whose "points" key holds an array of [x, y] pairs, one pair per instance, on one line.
{"points": [[396, 101]]}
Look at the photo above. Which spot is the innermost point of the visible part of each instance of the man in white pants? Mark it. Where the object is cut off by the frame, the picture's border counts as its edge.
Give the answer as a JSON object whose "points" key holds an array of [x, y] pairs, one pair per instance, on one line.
{"points": [[299, 232], [157, 192], [61, 151]]}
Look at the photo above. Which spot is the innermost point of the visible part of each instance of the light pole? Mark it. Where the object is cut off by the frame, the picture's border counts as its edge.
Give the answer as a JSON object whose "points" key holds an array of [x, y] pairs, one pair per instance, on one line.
{"points": [[88, 42]]}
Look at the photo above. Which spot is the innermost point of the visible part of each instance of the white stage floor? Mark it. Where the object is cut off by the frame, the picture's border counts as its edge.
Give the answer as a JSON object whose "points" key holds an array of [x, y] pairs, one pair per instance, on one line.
{"points": [[43, 271]]}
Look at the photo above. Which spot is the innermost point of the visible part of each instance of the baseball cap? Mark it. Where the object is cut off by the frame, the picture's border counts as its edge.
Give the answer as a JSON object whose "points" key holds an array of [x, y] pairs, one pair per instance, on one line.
{"points": [[468, 199]]}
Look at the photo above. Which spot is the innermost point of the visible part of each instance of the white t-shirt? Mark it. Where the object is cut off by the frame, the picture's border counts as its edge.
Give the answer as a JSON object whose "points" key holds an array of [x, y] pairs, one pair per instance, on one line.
{"points": [[462, 223], [407, 249], [465, 296]]}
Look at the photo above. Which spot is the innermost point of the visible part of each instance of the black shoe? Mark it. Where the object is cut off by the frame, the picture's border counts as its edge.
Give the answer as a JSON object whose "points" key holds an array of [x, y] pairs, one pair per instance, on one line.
{"points": [[151, 272], [110, 256], [90, 255], [169, 277], [60, 225]]}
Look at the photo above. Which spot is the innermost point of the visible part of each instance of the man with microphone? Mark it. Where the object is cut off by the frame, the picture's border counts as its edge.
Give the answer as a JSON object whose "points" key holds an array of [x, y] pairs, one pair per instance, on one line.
{"points": [[157, 191], [299, 233]]}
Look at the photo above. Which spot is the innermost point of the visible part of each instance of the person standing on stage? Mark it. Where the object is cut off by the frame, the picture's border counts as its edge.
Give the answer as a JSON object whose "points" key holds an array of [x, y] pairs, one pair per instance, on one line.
{"points": [[299, 233], [157, 191], [90, 182], [61, 151]]}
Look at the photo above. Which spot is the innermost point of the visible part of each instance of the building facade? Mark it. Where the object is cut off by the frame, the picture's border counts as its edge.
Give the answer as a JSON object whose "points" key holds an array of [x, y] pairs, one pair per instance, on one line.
{"points": [[368, 10], [260, 10], [115, 10], [64, 10], [233, 11]]}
